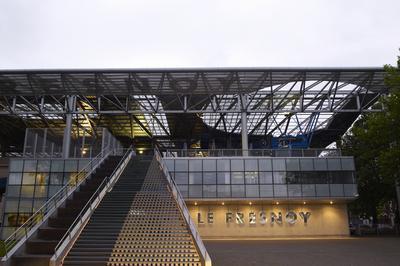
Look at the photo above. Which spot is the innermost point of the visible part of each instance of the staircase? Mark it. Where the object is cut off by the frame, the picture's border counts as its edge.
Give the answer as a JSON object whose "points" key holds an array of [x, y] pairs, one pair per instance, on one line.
{"points": [[39, 248], [137, 223]]}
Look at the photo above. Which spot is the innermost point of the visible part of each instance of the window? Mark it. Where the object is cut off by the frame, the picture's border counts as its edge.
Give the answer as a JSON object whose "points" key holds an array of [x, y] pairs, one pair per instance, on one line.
{"points": [[224, 191], [237, 178], [280, 190], [238, 191], [265, 165], [252, 191], [265, 177], [279, 178], [251, 165], [224, 177], [195, 165], [251, 177], [195, 178], [278, 164], [210, 191], [181, 178], [237, 165], [266, 191], [209, 178]]}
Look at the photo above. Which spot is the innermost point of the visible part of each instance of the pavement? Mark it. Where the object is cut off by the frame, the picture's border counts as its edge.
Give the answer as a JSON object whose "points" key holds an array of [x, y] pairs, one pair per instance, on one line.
{"points": [[346, 251]]}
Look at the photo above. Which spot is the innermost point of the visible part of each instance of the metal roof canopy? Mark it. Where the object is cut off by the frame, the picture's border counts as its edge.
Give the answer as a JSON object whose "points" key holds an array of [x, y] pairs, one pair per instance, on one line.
{"points": [[280, 100]]}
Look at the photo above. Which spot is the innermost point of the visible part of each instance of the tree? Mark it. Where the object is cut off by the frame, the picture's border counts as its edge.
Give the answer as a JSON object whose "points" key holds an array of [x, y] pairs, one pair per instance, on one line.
{"points": [[374, 141]]}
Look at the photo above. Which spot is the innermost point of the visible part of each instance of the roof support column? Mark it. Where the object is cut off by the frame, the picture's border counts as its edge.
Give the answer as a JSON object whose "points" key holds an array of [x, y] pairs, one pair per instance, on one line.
{"points": [[245, 141], [68, 126]]}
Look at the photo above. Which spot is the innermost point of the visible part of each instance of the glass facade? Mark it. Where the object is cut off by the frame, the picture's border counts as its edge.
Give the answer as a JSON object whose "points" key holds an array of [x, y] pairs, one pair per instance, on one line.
{"points": [[31, 182], [240, 177]]}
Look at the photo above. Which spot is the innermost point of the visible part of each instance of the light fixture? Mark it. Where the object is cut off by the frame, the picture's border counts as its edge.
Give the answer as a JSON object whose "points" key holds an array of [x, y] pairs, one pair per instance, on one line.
{"points": [[223, 203], [304, 202], [195, 204], [250, 203], [277, 203], [331, 202], [140, 151]]}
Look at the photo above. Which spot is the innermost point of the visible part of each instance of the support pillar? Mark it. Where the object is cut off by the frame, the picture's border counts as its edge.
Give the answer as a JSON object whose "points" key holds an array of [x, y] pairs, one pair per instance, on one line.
{"points": [[68, 127], [245, 141]]}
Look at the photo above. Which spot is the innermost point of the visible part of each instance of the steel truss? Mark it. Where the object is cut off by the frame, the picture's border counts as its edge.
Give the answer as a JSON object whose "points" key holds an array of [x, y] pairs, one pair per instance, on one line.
{"points": [[142, 102]]}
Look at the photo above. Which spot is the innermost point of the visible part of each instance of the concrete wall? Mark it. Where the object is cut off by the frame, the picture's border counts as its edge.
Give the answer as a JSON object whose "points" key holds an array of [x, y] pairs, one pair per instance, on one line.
{"points": [[325, 220]]}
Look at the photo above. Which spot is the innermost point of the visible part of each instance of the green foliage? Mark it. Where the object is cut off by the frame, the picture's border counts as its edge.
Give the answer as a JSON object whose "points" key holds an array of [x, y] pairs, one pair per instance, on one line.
{"points": [[374, 141]]}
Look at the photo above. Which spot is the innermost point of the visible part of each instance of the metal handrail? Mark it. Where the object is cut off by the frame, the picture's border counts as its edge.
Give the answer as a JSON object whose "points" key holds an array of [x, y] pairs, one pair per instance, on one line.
{"points": [[253, 152], [181, 202], [21, 234], [95, 199]]}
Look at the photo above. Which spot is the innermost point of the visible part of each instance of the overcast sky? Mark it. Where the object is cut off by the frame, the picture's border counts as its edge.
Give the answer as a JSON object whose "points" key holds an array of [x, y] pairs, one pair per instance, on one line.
{"points": [[200, 33]]}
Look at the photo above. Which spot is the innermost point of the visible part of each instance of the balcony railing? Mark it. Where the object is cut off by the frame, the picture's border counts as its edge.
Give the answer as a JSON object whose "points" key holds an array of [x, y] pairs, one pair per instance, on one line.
{"points": [[253, 152]]}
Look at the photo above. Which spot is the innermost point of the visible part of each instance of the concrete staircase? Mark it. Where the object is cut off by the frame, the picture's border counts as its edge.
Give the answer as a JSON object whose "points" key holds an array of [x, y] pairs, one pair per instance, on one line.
{"points": [[39, 248], [137, 223]]}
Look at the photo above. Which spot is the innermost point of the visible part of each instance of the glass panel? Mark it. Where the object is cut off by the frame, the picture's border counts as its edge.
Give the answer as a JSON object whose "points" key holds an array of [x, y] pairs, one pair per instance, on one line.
{"points": [[251, 177], [30, 166], [322, 190], [42, 179], [279, 178], [195, 191], [265, 177], [306, 164], [238, 191], [224, 191], [71, 165], [278, 164], [265, 165], [320, 164], [337, 190], [292, 164], [348, 164], [224, 177], [294, 190], [181, 178], [195, 165], [57, 166], [350, 190], [170, 165], [16, 165], [183, 189], [223, 165], [237, 165], [334, 164], [15, 178], [322, 178], [27, 191], [308, 190], [237, 178], [11, 205], [43, 166], [252, 191], [25, 206], [53, 190], [251, 165], [82, 163], [56, 178], [210, 191], [266, 191], [280, 190], [342, 177], [209, 165], [13, 191], [28, 178], [195, 178], [41, 191], [70, 178], [209, 178], [294, 177], [38, 204]]}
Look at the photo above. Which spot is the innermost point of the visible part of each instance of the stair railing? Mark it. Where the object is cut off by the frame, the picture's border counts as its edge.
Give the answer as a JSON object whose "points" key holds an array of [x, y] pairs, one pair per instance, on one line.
{"points": [[21, 234], [182, 205], [73, 232]]}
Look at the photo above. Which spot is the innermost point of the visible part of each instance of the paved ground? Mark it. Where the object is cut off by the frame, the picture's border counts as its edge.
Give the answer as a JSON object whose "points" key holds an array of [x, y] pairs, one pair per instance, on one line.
{"points": [[351, 251]]}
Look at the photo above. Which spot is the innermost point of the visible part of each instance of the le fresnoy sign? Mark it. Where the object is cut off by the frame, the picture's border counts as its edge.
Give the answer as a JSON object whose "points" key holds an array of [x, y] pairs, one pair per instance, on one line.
{"points": [[291, 217]]}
